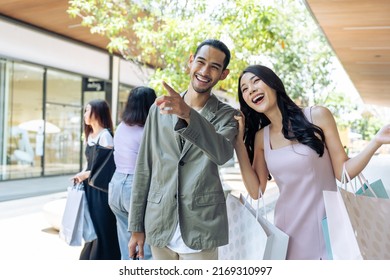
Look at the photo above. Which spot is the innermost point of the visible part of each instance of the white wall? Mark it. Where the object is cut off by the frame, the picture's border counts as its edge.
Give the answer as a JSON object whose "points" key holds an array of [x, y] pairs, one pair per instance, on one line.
{"points": [[133, 74], [30, 45], [27, 44]]}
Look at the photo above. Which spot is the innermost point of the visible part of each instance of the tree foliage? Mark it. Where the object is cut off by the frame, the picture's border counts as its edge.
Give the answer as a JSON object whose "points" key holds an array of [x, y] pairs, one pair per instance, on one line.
{"points": [[280, 34], [368, 125]]}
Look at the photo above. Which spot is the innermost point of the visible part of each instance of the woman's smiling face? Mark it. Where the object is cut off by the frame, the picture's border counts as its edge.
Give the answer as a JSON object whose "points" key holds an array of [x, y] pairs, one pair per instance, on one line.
{"points": [[257, 94]]}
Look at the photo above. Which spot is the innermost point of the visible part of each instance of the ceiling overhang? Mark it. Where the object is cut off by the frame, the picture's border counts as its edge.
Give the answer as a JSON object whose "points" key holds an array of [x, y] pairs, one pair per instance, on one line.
{"points": [[51, 16], [359, 33], [357, 30]]}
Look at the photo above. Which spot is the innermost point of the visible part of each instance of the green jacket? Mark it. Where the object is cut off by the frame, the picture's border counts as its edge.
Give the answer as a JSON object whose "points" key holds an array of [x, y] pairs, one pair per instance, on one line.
{"points": [[172, 184]]}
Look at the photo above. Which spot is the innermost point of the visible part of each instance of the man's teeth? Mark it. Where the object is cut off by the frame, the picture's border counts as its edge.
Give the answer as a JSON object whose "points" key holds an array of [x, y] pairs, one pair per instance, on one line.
{"points": [[202, 79]]}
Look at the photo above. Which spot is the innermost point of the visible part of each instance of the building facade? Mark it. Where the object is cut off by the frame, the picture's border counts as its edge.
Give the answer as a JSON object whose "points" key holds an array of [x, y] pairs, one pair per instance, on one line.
{"points": [[45, 80]]}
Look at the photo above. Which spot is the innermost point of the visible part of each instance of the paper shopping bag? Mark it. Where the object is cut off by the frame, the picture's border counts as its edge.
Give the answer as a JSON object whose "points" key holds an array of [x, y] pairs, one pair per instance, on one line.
{"points": [[374, 189], [89, 233], [277, 245], [341, 236], [358, 223], [247, 238], [369, 217], [325, 231], [71, 230], [368, 211]]}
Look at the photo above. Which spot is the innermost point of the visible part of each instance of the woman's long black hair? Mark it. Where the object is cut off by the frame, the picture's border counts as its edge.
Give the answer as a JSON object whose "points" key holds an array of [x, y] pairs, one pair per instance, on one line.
{"points": [[137, 106], [296, 127], [102, 112]]}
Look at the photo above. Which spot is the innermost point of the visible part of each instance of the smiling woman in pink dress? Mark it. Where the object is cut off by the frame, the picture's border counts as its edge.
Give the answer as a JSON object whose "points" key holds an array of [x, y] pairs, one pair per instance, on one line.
{"points": [[300, 148]]}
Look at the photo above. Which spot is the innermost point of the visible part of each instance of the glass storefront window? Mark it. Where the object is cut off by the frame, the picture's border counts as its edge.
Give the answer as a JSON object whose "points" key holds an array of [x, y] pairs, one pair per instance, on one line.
{"points": [[23, 95], [3, 113], [124, 91], [41, 119], [63, 112]]}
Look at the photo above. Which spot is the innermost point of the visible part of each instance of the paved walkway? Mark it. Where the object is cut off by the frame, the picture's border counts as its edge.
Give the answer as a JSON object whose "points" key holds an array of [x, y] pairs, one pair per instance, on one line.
{"points": [[28, 227], [29, 235], [17, 189]]}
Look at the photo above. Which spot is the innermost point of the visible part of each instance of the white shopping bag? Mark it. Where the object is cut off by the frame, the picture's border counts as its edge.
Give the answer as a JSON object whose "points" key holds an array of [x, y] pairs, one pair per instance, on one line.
{"points": [[277, 244], [247, 238], [76, 222], [341, 235], [358, 224], [71, 230], [89, 233]]}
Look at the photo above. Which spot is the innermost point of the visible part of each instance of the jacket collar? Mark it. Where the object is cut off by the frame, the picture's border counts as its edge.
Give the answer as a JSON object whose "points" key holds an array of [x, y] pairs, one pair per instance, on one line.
{"points": [[208, 112], [209, 109]]}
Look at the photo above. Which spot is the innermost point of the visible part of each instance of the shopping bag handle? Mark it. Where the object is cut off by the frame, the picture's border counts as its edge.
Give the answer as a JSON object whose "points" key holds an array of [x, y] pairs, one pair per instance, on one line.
{"points": [[346, 179], [260, 196], [78, 186]]}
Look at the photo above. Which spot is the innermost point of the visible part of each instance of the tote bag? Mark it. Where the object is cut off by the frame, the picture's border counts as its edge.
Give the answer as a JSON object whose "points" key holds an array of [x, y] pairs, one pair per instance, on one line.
{"points": [[247, 238], [102, 167]]}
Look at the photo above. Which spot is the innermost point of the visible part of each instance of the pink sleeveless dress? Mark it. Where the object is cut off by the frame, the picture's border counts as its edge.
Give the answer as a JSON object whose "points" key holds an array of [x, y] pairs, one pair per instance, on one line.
{"points": [[301, 176]]}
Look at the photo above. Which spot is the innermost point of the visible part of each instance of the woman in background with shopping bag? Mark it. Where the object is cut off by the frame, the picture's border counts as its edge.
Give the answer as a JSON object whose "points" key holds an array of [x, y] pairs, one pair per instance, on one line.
{"points": [[301, 149], [98, 128]]}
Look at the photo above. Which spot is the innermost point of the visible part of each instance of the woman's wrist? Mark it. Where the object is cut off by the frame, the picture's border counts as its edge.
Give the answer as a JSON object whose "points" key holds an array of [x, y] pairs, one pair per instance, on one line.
{"points": [[239, 143]]}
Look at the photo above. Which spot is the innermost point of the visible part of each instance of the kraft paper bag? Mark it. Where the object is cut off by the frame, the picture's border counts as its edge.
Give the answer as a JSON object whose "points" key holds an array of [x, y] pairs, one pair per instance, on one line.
{"points": [[358, 221], [369, 217]]}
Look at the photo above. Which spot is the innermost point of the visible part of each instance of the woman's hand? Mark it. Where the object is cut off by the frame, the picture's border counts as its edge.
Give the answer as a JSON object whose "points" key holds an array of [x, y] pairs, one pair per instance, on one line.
{"points": [[241, 125], [79, 177], [383, 135]]}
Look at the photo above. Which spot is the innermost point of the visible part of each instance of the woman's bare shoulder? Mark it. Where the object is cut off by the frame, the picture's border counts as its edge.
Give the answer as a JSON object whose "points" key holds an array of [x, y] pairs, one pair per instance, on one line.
{"points": [[321, 115], [259, 138]]}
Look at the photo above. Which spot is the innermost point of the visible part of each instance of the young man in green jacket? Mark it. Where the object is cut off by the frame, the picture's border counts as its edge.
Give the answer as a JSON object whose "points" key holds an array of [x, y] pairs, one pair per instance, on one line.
{"points": [[178, 204]]}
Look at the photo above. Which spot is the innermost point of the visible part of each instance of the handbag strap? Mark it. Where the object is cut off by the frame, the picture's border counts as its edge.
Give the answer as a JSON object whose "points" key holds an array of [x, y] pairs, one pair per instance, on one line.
{"points": [[100, 135]]}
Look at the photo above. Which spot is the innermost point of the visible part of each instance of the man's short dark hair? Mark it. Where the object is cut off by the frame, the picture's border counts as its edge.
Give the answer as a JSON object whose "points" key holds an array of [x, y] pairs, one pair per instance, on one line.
{"points": [[218, 45]]}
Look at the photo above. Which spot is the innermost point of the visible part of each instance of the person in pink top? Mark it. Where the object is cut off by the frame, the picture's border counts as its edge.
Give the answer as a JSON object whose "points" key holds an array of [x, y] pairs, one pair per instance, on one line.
{"points": [[127, 140], [301, 149]]}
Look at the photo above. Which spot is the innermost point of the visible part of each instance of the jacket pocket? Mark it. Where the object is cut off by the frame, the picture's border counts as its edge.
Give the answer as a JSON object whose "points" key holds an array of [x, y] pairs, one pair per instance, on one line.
{"points": [[209, 199], [154, 197]]}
